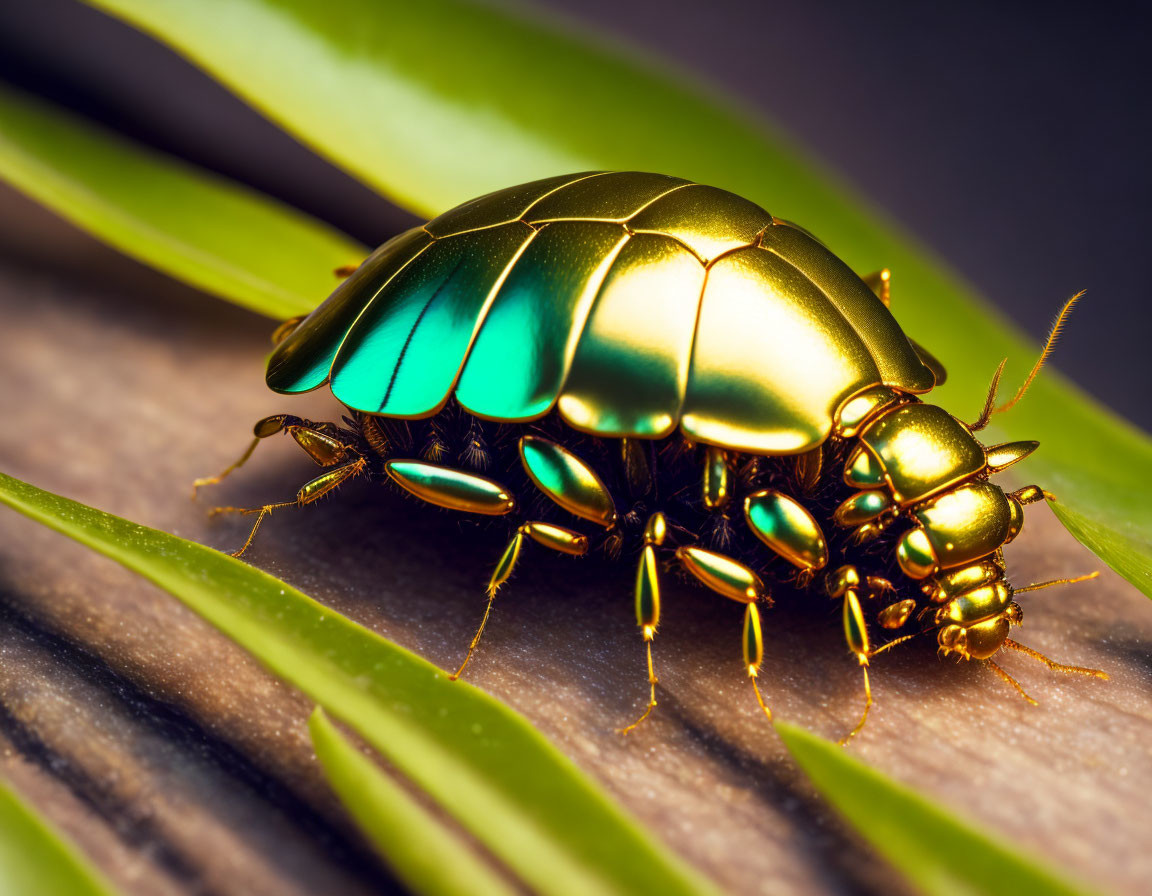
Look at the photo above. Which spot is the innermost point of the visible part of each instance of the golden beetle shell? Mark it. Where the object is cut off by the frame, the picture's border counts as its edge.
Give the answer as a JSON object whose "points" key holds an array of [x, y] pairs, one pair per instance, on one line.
{"points": [[633, 305], [541, 296]]}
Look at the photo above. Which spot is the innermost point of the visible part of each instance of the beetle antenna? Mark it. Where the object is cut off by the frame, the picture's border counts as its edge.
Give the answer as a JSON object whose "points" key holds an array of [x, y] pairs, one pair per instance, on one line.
{"points": [[990, 401], [1038, 585], [1053, 335], [1052, 664], [1010, 681]]}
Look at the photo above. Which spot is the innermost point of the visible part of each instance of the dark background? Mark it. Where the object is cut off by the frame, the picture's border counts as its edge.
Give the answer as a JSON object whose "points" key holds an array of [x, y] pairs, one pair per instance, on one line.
{"points": [[1014, 140]]}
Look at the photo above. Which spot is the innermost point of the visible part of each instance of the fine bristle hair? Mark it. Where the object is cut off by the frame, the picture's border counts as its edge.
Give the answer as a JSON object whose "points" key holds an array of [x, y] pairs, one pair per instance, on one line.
{"points": [[990, 401], [1036, 586], [1053, 335]]}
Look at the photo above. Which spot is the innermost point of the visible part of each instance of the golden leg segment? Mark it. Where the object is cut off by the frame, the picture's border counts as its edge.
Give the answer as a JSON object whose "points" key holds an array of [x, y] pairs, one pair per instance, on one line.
{"points": [[476, 637], [880, 282], [500, 575], [1010, 681], [559, 539], [1052, 664], [647, 597], [260, 512], [891, 644], [753, 643], [652, 682], [212, 480], [856, 634], [308, 494], [326, 450], [1036, 586], [759, 696], [867, 706]]}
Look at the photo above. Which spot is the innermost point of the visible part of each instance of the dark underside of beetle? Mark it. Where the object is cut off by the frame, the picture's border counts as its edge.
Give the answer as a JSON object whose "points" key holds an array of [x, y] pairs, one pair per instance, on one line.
{"points": [[650, 475]]}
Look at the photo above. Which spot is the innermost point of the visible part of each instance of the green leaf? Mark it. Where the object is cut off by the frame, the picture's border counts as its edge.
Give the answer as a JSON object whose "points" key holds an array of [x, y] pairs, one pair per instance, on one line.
{"points": [[426, 856], [35, 858], [941, 854], [439, 101], [1126, 544], [480, 760], [199, 228]]}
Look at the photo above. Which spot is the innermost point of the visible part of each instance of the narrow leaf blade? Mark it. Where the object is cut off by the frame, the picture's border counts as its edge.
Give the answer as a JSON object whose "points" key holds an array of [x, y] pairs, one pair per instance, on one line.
{"points": [[476, 757], [214, 234], [938, 852], [35, 858], [425, 855]]}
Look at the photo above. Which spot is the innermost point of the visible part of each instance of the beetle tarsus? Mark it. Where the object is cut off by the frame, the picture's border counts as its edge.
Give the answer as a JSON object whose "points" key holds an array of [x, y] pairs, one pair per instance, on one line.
{"points": [[867, 706], [652, 682]]}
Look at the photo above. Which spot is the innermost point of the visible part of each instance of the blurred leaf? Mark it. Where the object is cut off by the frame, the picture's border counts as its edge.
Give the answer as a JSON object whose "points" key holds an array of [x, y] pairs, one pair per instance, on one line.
{"points": [[199, 228], [439, 101], [1125, 544], [35, 858], [426, 856], [476, 757], [940, 854]]}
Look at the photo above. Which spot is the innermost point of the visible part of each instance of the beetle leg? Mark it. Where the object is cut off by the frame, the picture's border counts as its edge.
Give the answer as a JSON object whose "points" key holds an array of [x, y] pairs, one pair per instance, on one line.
{"points": [[880, 282], [716, 487], [879, 650], [285, 329], [786, 526], [895, 615], [263, 428], [734, 580], [637, 470], [309, 493], [753, 642], [500, 575], [567, 480], [648, 601], [845, 583], [555, 537], [1031, 494], [468, 492], [437, 447], [879, 587], [450, 488], [323, 448], [807, 466], [856, 633], [475, 452], [1052, 664], [1010, 681]]}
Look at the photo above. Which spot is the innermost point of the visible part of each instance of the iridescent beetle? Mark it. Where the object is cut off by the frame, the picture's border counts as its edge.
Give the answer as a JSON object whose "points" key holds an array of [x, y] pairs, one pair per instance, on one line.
{"points": [[702, 382]]}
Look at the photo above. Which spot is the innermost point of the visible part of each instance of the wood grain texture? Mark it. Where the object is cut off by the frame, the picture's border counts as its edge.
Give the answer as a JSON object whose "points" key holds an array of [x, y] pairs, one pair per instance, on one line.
{"points": [[184, 768]]}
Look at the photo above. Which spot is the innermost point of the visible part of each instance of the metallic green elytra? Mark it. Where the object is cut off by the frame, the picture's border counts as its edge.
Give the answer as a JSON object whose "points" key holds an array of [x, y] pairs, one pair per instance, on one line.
{"points": [[542, 296], [653, 355]]}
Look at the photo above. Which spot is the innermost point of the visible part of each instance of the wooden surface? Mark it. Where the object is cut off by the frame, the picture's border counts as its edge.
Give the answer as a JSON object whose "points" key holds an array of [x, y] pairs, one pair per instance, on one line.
{"points": [[184, 768]]}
